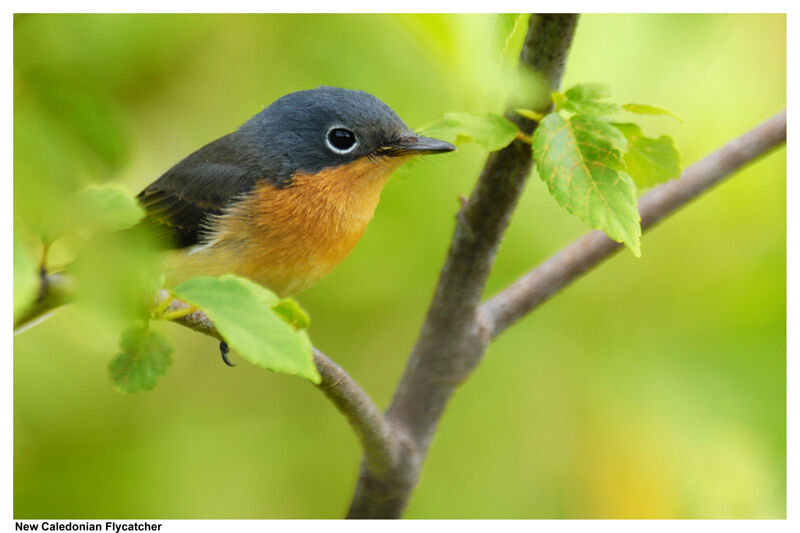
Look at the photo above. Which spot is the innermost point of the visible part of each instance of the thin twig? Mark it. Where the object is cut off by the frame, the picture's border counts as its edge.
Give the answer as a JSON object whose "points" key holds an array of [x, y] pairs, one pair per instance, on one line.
{"points": [[382, 446], [535, 287]]}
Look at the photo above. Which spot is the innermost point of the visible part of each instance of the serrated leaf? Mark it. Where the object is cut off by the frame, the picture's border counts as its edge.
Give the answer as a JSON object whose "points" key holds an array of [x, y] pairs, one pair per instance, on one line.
{"points": [[587, 99], [108, 208], [291, 312], [644, 109], [26, 276], [243, 313], [491, 131], [581, 161], [649, 161], [144, 360]]}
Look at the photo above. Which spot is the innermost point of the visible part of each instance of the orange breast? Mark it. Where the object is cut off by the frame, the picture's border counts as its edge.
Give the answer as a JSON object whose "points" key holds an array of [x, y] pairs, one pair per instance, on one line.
{"points": [[288, 239]]}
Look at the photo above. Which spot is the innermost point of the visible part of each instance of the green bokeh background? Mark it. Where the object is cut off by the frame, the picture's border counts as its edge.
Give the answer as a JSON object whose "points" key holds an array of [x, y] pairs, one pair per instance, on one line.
{"points": [[654, 387]]}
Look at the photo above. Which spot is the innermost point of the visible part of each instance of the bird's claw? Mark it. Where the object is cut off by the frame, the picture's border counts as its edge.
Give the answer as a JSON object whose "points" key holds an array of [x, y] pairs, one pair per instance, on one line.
{"points": [[224, 350]]}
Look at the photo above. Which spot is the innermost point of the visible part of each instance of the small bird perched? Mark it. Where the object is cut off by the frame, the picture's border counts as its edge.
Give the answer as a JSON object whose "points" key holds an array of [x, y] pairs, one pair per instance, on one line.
{"points": [[286, 197]]}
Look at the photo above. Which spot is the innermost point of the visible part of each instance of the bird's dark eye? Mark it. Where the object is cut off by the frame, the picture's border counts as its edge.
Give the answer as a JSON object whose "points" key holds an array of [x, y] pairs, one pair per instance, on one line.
{"points": [[341, 140]]}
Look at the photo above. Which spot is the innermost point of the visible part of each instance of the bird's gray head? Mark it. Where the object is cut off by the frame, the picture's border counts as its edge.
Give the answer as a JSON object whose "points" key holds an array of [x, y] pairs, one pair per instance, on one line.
{"points": [[308, 131]]}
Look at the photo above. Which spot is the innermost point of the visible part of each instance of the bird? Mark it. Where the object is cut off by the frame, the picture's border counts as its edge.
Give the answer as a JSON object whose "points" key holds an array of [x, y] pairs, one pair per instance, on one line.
{"points": [[284, 198]]}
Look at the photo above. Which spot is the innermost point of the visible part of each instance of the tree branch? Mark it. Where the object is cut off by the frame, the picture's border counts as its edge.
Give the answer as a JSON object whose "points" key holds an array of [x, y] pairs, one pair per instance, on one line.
{"points": [[452, 340], [382, 446], [544, 281]]}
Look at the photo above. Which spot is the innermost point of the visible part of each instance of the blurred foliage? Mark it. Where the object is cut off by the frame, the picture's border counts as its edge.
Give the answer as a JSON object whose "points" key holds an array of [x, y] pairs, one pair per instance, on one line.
{"points": [[491, 131], [26, 280], [105, 208], [144, 359], [655, 387]]}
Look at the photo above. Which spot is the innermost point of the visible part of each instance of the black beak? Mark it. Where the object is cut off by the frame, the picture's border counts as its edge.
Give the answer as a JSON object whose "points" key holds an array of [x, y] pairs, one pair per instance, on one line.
{"points": [[416, 145]]}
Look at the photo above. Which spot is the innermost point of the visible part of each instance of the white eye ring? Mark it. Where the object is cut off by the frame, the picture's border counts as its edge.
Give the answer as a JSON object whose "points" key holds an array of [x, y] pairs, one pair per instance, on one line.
{"points": [[340, 150]]}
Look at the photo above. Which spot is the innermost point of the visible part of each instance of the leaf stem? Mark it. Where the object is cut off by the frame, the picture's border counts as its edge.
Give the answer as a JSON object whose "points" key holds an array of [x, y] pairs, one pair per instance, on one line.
{"points": [[527, 139], [531, 114], [180, 313], [162, 306]]}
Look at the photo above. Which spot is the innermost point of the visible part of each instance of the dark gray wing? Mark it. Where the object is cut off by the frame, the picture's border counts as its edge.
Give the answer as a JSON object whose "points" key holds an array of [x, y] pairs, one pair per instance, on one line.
{"points": [[179, 203]]}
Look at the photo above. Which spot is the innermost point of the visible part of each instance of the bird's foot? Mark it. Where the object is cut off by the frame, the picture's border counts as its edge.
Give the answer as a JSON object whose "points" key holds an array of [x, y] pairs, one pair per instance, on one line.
{"points": [[224, 350]]}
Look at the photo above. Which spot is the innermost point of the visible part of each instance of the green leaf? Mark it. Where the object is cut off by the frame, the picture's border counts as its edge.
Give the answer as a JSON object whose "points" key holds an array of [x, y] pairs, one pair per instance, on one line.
{"points": [[491, 131], [144, 360], [107, 208], [291, 312], [243, 313], [581, 161], [644, 109], [586, 99], [26, 276], [649, 161]]}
